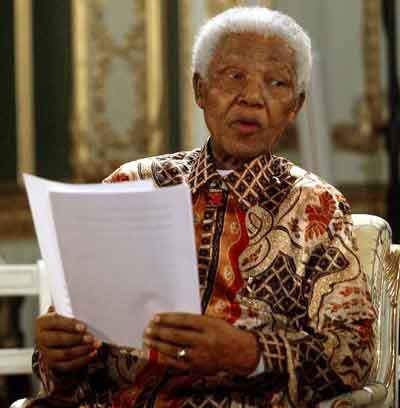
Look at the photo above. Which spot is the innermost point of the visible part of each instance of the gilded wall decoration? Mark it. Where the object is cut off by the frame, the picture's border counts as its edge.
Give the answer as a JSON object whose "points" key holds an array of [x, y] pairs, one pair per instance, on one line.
{"points": [[24, 88], [217, 6], [369, 111], [120, 107], [15, 217], [187, 106]]}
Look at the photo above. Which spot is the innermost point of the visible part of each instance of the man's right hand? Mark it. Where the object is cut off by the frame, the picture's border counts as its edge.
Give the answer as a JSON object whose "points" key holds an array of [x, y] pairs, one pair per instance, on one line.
{"points": [[65, 343]]}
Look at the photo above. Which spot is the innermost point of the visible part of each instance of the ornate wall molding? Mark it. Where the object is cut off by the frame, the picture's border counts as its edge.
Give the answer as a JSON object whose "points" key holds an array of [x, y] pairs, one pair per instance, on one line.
{"points": [[217, 6], [369, 110], [103, 61], [214, 6], [24, 88], [187, 106]]}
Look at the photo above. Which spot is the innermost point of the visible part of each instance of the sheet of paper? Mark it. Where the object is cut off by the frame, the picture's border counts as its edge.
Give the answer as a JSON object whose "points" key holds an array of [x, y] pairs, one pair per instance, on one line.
{"points": [[124, 255], [38, 196]]}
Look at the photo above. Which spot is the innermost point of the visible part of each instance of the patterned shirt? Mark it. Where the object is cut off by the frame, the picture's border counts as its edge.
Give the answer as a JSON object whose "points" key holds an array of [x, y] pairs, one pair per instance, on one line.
{"points": [[277, 257]]}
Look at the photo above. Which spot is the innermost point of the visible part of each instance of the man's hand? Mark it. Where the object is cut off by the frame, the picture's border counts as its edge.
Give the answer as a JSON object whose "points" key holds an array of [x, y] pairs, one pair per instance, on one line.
{"points": [[64, 342], [212, 345]]}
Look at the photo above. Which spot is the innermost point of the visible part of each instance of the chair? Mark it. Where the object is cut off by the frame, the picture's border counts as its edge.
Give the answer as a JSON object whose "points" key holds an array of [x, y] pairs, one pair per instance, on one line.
{"points": [[22, 280], [381, 262]]}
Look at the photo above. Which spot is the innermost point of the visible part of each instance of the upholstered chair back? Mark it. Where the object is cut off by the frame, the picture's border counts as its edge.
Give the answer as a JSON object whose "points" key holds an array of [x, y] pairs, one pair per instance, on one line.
{"points": [[380, 260]]}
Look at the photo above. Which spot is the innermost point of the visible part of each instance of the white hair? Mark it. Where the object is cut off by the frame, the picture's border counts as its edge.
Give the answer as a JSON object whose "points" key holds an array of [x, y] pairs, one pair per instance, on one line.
{"points": [[259, 20]]}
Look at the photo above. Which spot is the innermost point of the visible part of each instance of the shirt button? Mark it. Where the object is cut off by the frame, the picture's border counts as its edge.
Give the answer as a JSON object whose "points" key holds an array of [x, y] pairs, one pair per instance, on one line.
{"points": [[235, 227], [228, 274]]}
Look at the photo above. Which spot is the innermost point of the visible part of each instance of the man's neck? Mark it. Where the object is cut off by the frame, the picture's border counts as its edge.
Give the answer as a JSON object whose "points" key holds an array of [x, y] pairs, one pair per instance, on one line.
{"points": [[224, 161], [228, 163]]}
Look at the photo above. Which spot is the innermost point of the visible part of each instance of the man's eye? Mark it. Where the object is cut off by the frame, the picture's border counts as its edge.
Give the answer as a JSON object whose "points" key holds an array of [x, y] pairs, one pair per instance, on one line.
{"points": [[236, 76], [277, 83]]}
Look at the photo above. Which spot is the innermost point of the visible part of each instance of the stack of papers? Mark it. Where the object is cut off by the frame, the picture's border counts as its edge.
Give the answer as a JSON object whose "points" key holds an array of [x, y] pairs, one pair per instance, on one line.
{"points": [[116, 254]]}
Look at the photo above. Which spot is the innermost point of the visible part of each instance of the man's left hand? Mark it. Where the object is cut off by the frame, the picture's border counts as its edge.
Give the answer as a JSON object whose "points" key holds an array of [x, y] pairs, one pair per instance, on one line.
{"points": [[210, 345]]}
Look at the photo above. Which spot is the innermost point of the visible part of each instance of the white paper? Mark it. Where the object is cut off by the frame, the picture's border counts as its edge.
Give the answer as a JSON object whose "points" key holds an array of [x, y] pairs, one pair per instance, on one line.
{"points": [[38, 197], [124, 254]]}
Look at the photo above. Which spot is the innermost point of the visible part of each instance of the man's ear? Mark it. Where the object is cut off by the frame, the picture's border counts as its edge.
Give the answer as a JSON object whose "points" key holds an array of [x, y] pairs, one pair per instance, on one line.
{"points": [[298, 103], [198, 88]]}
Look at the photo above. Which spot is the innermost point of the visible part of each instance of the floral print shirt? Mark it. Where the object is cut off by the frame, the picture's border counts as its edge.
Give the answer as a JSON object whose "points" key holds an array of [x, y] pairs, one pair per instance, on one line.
{"points": [[276, 256]]}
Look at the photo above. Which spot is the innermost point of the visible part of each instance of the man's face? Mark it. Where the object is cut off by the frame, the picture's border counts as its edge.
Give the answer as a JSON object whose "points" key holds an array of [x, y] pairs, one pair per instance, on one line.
{"points": [[249, 96]]}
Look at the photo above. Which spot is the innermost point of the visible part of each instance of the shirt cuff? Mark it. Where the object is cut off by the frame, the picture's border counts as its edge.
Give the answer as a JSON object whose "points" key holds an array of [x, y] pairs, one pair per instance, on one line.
{"points": [[260, 368]]}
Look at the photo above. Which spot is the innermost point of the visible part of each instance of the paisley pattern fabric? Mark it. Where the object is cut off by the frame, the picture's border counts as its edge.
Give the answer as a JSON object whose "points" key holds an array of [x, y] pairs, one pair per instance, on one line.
{"points": [[277, 257]]}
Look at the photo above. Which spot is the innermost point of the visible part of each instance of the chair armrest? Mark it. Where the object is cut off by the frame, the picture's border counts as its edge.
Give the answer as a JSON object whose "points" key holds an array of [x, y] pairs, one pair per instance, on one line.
{"points": [[18, 404], [370, 395]]}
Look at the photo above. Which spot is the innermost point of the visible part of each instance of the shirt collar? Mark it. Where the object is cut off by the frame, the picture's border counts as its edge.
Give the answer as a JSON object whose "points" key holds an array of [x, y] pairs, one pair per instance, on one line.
{"points": [[248, 184]]}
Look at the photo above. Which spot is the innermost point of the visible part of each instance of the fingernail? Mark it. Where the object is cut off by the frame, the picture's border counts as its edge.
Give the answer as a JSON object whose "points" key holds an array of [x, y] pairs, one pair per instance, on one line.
{"points": [[156, 318], [88, 339], [148, 330], [80, 327]]}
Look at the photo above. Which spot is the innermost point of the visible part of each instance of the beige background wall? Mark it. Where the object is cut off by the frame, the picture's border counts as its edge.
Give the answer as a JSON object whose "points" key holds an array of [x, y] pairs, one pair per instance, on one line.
{"points": [[117, 99]]}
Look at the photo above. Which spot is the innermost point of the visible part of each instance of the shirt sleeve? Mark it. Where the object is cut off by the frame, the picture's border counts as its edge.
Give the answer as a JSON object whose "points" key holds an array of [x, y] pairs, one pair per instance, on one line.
{"points": [[114, 368], [333, 349]]}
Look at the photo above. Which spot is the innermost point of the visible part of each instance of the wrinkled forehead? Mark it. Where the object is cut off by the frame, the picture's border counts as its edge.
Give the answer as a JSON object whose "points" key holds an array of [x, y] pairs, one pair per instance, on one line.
{"points": [[254, 47]]}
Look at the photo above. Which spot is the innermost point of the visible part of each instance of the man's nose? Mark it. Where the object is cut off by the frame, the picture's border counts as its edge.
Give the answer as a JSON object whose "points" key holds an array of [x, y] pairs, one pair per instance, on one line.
{"points": [[252, 93]]}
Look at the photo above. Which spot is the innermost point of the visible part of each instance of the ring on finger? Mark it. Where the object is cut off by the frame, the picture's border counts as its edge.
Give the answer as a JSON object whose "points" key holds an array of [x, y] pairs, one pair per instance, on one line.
{"points": [[181, 354]]}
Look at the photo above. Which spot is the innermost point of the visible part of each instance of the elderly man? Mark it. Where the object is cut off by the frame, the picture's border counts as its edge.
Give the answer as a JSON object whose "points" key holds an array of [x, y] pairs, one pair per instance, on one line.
{"points": [[287, 317]]}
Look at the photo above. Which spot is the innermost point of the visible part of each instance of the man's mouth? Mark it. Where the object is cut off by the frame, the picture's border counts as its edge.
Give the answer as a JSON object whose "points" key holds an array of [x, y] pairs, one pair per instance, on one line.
{"points": [[247, 125]]}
